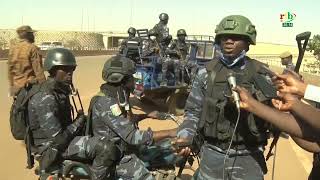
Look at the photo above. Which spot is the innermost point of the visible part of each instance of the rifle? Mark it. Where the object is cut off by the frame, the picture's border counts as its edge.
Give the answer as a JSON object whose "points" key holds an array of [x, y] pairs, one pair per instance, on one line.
{"points": [[75, 92], [299, 38]]}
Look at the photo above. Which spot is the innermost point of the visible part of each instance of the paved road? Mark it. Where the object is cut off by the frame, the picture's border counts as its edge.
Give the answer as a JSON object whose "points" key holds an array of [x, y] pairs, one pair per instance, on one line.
{"points": [[291, 164]]}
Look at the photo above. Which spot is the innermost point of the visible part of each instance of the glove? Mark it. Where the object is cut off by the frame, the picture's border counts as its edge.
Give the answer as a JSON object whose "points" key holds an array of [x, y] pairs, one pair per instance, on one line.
{"points": [[80, 119], [77, 124], [163, 116]]}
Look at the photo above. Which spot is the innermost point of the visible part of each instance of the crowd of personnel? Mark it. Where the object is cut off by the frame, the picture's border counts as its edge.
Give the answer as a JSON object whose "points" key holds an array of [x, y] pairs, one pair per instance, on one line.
{"points": [[172, 52], [231, 131]]}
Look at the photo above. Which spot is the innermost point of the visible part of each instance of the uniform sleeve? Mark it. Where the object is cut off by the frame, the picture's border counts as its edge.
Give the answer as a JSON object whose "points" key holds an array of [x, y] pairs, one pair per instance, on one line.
{"points": [[36, 61], [123, 45], [122, 127], [10, 67], [146, 48], [193, 107], [43, 107]]}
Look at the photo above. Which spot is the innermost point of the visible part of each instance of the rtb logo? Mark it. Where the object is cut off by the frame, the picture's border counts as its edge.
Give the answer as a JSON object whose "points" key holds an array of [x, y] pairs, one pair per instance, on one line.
{"points": [[287, 18]]}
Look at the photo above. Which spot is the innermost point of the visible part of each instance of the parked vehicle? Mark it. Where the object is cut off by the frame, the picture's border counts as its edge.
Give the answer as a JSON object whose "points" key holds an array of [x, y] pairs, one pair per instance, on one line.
{"points": [[50, 44]]}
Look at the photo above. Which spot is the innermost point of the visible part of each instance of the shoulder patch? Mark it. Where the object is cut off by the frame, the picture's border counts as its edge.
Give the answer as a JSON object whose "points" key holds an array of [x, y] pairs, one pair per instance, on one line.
{"points": [[115, 109]]}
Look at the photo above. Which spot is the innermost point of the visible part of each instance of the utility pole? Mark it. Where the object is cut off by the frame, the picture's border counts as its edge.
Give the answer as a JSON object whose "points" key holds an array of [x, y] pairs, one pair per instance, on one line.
{"points": [[82, 20], [88, 17], [131, 13]]}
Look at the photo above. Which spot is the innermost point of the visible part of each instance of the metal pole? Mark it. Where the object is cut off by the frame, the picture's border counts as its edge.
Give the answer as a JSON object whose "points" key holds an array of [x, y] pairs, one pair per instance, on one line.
{"points": [[82, 20], [274, 161], [131, 13]]}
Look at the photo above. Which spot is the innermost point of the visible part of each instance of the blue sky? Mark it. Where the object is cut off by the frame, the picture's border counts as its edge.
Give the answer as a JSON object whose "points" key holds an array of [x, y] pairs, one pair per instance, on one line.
{"points": [[196, 16]]}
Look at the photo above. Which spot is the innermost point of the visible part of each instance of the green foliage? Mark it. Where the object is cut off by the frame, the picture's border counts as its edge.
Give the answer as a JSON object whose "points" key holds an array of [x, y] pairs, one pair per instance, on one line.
{"points": [[314, 46]]}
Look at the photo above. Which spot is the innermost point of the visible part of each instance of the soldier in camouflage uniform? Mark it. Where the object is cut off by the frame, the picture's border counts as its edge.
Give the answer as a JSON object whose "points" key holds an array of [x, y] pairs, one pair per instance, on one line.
{"points": [[150, 46], [56, 136], [209, 112], [177, 51], [25, 61], [112, 118], [132, 37], [180, 44], [162, 29]]}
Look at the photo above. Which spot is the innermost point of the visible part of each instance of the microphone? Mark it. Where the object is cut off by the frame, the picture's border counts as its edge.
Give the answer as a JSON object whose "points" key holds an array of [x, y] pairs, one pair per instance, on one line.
{"points": [[233, 83]]}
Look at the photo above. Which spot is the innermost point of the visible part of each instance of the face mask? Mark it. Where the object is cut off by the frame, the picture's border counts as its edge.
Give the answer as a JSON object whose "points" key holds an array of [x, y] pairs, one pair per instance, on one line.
{"points": [[227, 60], [153, 38]]}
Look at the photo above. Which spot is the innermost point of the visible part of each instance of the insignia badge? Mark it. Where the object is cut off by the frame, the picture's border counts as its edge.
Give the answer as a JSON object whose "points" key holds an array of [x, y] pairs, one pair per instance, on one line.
{"points": [[115, 109]]}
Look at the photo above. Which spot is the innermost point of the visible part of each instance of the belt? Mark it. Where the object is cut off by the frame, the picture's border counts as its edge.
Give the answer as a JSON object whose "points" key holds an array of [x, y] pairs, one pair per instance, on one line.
{"points": [[225, 144], [237, 148]]}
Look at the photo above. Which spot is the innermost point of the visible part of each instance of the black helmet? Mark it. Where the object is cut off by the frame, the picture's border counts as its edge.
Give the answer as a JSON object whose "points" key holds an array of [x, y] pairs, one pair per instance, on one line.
{"points": [[132, 30], [152, 32], [59, 57], [181, 32], [164, 17], [116, 68]]}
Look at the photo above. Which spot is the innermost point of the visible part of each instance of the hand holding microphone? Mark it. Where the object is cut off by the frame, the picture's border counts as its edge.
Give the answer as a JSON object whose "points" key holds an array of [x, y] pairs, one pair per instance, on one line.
{"points": [[233, 83]]}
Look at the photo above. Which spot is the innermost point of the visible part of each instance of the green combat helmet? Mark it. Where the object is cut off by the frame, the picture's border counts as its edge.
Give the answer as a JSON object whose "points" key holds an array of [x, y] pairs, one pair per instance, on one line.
{"points": [[59, 57], [116, 68], [132, 31], [236, 24], [181, 32], [164, 17]]}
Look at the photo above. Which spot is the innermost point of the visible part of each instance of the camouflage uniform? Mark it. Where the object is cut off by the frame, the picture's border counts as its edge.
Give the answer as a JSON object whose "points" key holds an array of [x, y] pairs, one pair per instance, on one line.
{"points": [[50, 116], [125, 42], [116, 128], [212, 157], [111, 117], [175, 62], [210, 113], [162, 31], [24, 65], [150, 48], [181, 47], [181, 50]]}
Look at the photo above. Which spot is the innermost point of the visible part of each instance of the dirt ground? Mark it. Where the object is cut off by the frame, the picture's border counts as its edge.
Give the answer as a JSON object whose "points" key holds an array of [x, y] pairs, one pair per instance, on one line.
{"points": [[292, 163]]}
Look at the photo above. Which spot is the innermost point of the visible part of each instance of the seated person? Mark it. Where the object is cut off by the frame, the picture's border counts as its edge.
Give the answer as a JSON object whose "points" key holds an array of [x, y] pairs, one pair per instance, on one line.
{"points": [[150, 46], [56, 135], [112, 118]]}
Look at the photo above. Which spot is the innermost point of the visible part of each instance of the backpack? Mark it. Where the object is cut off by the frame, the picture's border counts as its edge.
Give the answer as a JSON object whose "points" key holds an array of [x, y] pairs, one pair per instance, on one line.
{"points": [[19, 112]]}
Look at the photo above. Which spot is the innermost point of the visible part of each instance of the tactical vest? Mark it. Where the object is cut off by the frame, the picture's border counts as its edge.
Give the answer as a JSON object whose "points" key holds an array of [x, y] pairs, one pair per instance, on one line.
{"points": [[108, 91], [182, 49], [219, 114], [64, 110], [111, 92]]}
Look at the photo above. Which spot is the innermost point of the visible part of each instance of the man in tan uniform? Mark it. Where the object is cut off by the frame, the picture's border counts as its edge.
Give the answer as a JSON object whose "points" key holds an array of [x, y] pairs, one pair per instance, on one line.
{"points": [[25, 61], [286, 60]]}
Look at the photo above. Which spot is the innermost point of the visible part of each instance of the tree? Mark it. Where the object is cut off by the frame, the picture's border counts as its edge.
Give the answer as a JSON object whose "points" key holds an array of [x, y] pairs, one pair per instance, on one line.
{"points": [[314, 46]]}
